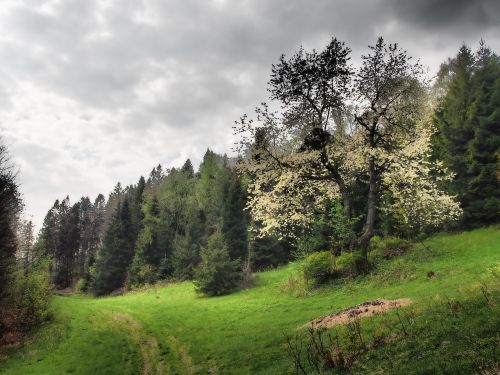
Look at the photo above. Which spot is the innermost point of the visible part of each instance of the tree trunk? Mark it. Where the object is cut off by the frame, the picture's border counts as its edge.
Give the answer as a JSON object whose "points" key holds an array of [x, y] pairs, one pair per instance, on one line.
{"points": [[346, 200], [369, 227]]}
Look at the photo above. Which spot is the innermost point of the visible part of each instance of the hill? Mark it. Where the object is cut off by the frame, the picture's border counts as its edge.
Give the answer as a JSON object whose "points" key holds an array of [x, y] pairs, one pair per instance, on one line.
{"points": [[451, 326]]}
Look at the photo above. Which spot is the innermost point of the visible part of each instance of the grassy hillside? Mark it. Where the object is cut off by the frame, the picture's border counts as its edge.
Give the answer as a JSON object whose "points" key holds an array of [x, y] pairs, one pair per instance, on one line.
{"points": [[454, 321]]}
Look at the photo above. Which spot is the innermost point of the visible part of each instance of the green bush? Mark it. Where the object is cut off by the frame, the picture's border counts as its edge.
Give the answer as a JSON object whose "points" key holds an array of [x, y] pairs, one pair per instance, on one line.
{"points": [[81, 286], [346, 264], [318, 267], [217, 274], [351, 264], [32, 296], [388, 247]]}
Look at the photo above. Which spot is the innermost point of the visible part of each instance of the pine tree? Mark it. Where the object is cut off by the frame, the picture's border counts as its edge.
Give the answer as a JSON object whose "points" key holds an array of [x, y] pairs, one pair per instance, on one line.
{"points": [[235, 219], [452, 117], [217, 274], [188, 169], [10, 206], [467, 139], [149, 253], [85, 225], [482, 197], [26, 242], [116, 253], [68, 243]]}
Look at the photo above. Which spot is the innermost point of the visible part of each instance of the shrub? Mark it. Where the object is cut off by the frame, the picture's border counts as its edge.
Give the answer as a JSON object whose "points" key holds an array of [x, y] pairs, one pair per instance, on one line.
{"points": [[388, 247], [140, 274], [318, 267], [217, 274], [32, 296], [81, 286], [346, 264], [33, 299], [351, 264]]}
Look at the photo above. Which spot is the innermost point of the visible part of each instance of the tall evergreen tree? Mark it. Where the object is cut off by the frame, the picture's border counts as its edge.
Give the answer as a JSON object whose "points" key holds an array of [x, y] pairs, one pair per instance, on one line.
{"points": [[482, 197], [68, 243], [188, 169], [116, 252], [10, 205], [467, 139], [235, 219], [149, 253]]}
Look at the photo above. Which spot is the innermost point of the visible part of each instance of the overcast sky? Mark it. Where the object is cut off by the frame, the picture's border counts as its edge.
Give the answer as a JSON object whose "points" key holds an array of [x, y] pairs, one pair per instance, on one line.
{"points": [[95, 92]]}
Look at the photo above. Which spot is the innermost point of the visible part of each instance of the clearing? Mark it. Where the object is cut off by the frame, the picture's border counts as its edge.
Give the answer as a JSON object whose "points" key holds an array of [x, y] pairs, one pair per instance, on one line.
{"points": [[171, 330]]}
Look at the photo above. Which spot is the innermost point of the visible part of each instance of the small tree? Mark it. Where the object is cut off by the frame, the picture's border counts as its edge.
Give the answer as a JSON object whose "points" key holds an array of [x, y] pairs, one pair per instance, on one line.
{"points": [[217, 274]]}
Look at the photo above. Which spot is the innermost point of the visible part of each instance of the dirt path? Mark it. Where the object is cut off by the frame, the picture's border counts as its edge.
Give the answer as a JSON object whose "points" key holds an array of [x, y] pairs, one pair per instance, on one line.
{"points": [[359, 311], [152, 363]]}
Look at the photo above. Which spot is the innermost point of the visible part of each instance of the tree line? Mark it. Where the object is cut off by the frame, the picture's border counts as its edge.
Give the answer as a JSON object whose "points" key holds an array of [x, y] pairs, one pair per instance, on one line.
{"points": [[161, 228], [352, 152]]}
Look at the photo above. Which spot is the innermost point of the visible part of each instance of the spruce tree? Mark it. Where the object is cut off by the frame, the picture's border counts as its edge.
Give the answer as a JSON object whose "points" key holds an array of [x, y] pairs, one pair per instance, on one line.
{"points": [[467, 139], [10, 206], [482, 197], [235, 219], [116, 252], [145, 267]]}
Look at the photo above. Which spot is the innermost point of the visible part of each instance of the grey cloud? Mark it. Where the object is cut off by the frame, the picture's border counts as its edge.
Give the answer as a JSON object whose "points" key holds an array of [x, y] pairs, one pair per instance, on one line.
{"points": [[148, 81], [441, 14]]}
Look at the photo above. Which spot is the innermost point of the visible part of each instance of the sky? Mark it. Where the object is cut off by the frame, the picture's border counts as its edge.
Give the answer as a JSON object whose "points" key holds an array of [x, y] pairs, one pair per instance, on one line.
{"points": [[96, 92]]}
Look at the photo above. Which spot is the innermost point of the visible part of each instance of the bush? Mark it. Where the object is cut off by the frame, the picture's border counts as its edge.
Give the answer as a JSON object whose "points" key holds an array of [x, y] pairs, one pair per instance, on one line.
{"points": [[318, 267], [28, 304], [351, 264], [81, 286], [33, 298], [140, 274], [388, 247], [346, 264], [217, 274]]}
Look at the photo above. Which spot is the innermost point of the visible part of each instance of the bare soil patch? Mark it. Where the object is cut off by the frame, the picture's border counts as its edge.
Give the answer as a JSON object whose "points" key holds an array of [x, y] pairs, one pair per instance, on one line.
{"points": [[358, 311]]}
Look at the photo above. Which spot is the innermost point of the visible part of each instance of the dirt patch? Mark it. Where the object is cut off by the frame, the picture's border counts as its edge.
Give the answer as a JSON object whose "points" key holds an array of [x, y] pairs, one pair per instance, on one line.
{"points": [[359, 311]]}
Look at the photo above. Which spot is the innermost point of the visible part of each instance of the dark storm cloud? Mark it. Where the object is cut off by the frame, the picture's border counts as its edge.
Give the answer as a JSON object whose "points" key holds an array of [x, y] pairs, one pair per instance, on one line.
{"points": [[443, 14], [93, 92]]}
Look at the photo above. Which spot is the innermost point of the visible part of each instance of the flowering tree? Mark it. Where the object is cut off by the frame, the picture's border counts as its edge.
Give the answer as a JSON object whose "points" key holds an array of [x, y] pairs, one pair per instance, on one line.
{"points": [[334, 131]]}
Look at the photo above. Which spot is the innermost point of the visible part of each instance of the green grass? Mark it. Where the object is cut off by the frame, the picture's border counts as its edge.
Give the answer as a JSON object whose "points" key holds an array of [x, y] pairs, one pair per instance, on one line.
{"points": [[173, 330]]}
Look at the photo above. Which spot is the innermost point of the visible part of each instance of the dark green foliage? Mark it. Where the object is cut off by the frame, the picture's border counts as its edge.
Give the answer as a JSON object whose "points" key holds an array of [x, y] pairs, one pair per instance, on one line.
{"points": [[116, 252], [346, 264], [136, 199], [10, 205], [70, 237], [319, 267], [483, 189], [468, 140], [217, 274], [388, 247], [269, 252], [32, 295], [331, 230], [182, 212], [188, 169], [235, 219], [322, 266], [25, 293], [68, 243]]}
